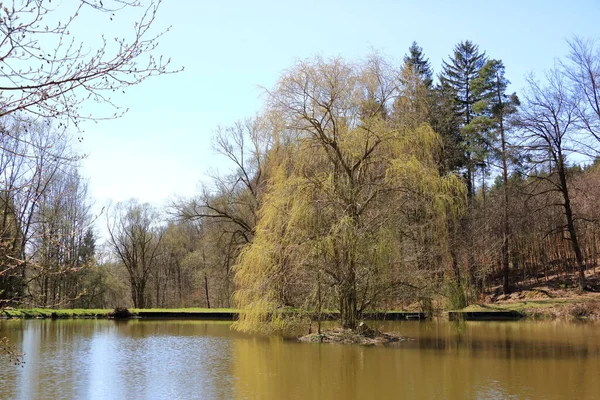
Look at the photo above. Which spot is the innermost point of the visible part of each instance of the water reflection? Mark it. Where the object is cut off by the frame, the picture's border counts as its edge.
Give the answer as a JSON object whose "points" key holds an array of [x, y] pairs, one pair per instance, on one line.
{"points": [[206, 360], [107, 360], [481, 362]]}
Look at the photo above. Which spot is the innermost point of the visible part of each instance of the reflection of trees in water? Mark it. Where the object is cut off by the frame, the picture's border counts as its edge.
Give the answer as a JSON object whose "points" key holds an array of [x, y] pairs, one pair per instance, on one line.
{"points": [[164, 327], [452, 367], [506, 348], [150, 359], [281, 369]]}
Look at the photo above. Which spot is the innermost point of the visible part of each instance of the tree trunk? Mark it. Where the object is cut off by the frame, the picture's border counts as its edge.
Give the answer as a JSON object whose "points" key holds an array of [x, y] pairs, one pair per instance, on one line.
{"points": [[158, 288], [137, 295], [179, 284], [348, 309], [141, 298], [571, 223], [319, 302], [459, 288], [206, 291], [505, 224]]}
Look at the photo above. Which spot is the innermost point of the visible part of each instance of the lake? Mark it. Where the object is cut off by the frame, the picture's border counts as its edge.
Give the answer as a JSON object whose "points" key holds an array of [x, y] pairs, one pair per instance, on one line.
{"points": [[166, 359]]}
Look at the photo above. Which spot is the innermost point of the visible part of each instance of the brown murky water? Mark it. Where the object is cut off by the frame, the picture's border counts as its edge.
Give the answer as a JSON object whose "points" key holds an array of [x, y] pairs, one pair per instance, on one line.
{"points": [[89, 359]]}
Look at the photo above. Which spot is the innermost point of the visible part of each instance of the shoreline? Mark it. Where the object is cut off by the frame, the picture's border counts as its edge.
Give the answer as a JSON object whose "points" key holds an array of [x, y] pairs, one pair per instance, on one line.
{"points": [[559, 309], [565, 309], [180, 313]]}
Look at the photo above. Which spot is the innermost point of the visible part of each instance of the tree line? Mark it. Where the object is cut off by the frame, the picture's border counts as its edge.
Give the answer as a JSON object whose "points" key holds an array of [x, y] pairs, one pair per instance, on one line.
{"points": [[47, 76], [361, 185]]}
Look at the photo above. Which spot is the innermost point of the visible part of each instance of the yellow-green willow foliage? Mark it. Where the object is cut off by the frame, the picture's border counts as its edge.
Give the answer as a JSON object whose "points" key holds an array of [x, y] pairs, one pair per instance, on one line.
{"points": [[353, 205]]}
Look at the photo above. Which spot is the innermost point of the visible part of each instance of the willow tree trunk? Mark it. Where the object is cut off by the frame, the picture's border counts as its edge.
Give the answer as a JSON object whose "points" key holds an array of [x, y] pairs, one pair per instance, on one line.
{"points": [[348, 301], [138, 295], [460, 299]]}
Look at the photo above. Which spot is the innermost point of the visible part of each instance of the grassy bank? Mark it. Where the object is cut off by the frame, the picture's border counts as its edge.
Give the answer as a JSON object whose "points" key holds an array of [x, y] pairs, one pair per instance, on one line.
{"points": [[574, 307], [50, 313], [95, 313], [174, 312], [184, 310], [556, 297], [570, 308]]}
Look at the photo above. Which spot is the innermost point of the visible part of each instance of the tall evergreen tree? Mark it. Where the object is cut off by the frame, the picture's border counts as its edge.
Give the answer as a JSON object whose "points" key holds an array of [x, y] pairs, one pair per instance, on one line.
{"points": [[457, 80], [414, 103], [446, 123], [456, 87], [415, 59], [87, 249]]}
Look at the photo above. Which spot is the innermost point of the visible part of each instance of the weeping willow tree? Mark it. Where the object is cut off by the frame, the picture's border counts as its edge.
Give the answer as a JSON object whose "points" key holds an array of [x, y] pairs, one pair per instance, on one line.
{"points": [[352, 200]]}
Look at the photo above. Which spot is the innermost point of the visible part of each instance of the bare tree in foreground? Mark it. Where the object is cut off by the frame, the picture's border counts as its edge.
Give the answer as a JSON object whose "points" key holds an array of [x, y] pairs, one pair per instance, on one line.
{"points": [[46, 71], [582, 69]]}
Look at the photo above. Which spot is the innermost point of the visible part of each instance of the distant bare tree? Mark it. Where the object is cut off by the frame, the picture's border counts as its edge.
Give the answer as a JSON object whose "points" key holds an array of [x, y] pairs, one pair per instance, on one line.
{"points": [[227, 209], [58, 247], [30, 159], [234, 196], [548, 120], [135, 239]]}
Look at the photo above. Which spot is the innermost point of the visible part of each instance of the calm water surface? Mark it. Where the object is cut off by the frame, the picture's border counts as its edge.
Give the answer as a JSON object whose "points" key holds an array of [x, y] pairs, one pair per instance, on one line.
{"points": [[99, 359]]}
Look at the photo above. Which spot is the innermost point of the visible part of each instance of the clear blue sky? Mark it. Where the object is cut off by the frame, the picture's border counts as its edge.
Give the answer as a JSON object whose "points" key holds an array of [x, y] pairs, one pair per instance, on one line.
{"points": [[229, 49]]}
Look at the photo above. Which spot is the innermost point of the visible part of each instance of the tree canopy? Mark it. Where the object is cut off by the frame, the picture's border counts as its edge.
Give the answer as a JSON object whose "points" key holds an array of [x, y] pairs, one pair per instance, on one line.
{"points": [[350, 195]]}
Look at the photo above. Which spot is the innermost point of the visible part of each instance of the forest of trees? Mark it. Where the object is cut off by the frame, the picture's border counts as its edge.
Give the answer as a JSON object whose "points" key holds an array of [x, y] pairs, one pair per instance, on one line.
{"points": [[362, 185]]}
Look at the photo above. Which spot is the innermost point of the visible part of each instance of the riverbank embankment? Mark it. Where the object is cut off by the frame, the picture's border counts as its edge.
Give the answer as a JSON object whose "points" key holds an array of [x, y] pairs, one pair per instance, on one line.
{"points": [[224, 314], [520, 305]]}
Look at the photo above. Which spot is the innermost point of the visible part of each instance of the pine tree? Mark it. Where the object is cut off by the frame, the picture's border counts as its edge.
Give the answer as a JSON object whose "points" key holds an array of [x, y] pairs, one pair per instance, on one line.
{"points": [[415, 59], [87, 249], [457, 80], [414, 104], [446, 123]]}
